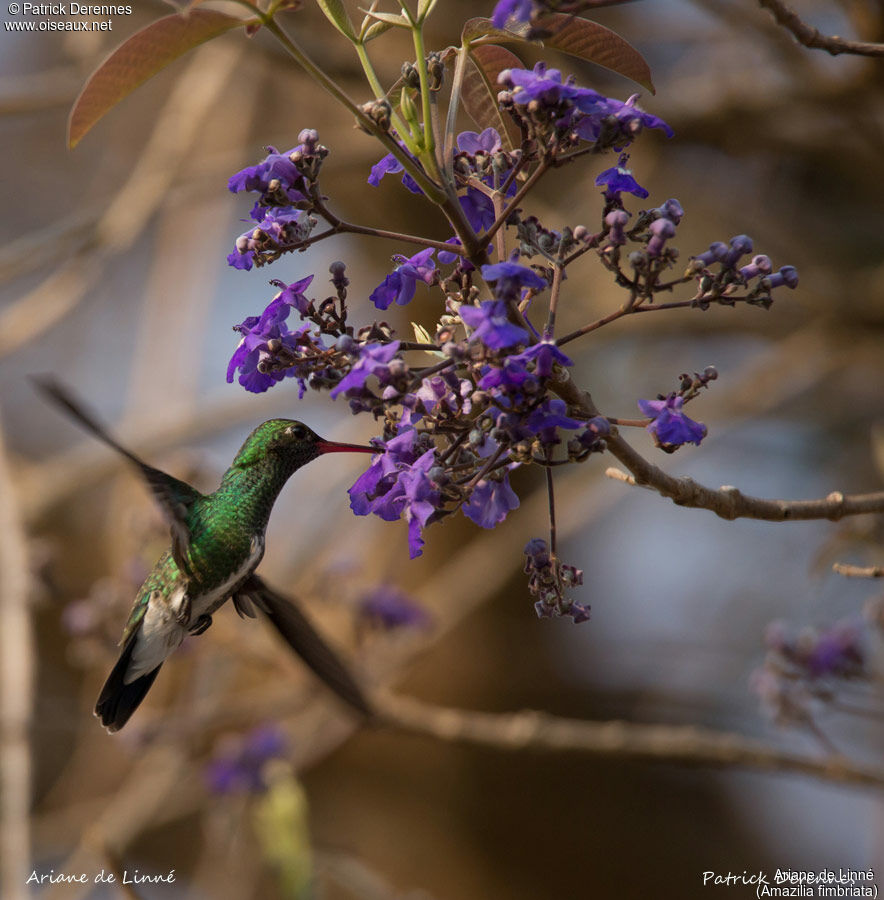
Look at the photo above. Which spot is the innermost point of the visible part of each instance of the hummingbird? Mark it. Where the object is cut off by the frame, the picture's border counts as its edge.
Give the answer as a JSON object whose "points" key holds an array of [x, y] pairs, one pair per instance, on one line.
{"points": [[217, 541]]}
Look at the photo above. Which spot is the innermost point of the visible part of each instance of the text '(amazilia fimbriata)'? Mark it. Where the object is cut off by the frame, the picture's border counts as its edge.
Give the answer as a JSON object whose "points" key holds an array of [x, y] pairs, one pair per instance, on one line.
{"points": [[217, 543]]}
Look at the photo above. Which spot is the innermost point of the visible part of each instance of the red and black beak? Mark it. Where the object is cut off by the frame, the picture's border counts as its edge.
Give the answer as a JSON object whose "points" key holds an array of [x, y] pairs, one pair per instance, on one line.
{"points": [[336, 447]]}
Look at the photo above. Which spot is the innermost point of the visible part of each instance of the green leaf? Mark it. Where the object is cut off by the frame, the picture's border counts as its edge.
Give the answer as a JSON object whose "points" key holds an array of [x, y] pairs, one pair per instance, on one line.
{"points": [[139, 58], [389, 18], [576, 37], [370, 32], [424, 8], [421, 335], [480, 90], [336, 13]]}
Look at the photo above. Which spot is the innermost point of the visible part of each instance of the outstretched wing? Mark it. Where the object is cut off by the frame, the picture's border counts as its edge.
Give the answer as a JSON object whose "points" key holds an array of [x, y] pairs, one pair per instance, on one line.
{"points": [[176, 498], [303, 638]]}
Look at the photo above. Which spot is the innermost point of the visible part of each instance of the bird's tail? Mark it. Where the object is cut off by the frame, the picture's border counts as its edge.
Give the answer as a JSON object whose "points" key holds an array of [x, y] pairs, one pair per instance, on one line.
{"points": [[118, 700]]}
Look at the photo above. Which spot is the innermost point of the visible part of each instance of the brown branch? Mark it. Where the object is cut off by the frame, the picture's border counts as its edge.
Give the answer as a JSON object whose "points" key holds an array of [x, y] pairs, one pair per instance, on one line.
{"points": [[727, 502], [858, 571], [811, 38], [16, 690], [679, 744]]}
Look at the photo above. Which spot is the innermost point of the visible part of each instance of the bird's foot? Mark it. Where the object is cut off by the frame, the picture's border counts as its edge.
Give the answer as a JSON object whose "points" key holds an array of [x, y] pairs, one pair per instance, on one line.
{"points": [[182, 613], [202, 623]]}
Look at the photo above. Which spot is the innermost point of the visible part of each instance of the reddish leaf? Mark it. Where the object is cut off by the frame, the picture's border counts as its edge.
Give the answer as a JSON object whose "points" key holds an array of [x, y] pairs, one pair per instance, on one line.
{"points": [[139, 58], [577, 37], [480, 90]]}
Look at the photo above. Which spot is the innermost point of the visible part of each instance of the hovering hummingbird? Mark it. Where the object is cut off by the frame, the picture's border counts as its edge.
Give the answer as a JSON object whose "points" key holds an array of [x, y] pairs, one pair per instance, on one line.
{"points": [[217, 543]]}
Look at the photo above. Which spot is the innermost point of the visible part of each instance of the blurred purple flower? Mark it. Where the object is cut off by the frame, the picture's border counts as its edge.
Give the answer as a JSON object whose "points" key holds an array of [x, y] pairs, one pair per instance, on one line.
{"points": [[390, 608], [238, 764], [518, 10]]}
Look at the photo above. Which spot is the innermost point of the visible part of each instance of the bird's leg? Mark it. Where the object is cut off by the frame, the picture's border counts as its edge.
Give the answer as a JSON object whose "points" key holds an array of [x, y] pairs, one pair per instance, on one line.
{"points": [[183, 611], [202, 623]]}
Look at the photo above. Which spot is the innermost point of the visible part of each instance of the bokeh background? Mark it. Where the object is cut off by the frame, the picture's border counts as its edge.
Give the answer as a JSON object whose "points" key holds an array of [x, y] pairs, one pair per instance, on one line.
{"points": [[113, 277]]}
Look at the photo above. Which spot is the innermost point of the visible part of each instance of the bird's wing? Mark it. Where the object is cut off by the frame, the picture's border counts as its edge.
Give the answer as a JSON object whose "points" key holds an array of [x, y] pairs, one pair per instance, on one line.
{"points": [[303, 638], [175, 497]]}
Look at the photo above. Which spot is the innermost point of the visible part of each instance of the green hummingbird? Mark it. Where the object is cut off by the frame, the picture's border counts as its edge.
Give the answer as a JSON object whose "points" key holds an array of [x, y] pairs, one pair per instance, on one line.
{"points": [[217, 543]]}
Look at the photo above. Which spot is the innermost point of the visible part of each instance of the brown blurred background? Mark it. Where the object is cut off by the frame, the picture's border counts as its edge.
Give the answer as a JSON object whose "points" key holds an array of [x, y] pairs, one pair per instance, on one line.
{"points": [[113, 277]]}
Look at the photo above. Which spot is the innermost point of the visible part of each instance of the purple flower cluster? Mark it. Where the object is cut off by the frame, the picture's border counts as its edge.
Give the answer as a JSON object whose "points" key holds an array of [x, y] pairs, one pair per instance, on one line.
{"points": [[732, 276], [269, 332], [548, 579], [804, 668], [546, 105], [398, 482], [239, 764], [284, 185]]}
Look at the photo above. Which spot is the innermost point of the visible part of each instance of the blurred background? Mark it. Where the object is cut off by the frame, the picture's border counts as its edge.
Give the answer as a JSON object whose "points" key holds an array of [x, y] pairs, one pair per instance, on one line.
{"points": [[113, 274]]}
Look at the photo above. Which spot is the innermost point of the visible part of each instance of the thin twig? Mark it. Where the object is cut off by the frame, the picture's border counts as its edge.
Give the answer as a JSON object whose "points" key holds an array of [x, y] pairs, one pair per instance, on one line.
{"points": [[811, 38], [858, 571], [682, 745], [727, 502]]}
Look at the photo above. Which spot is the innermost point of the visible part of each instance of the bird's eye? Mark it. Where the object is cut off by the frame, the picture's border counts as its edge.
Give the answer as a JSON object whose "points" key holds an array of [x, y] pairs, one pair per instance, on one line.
{"points": [[298, 432]]}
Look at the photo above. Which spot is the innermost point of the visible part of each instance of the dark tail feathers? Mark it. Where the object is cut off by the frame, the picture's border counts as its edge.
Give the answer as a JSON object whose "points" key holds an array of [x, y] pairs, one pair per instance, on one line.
{"points": [[118, 700]]}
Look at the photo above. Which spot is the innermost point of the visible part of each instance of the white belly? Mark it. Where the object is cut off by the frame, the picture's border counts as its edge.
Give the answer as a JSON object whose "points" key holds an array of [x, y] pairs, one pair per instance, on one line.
{"points": [[160, 632]]}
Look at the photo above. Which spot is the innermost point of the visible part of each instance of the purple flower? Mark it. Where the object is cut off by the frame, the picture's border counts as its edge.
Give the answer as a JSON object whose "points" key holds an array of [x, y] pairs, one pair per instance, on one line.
{"points": [[544, 354], [293, 294], [507, 379], [389, 165], [739, 246], [547, 88], [390, 608], [490, 502], [399, 286], [519, 10], [619, 179], [445, 257], [661, 230], [374, 359], [472, 142], [760, 265], [510, 277], [788, 275], [491, 325], [546, 418], [281, 229], [715, 253], [670, 426], [478, 209], [276, 167], [633, 118], [616, 220]]}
